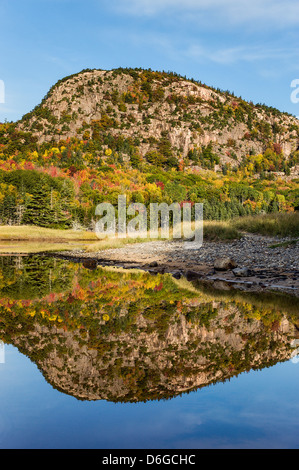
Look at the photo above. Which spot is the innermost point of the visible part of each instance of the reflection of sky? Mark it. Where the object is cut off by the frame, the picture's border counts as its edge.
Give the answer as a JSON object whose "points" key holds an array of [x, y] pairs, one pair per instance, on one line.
{"points": [[255, 410]]}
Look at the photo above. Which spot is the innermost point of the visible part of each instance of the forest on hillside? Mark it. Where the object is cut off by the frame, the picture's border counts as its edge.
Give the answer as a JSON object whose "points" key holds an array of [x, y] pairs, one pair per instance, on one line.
{"points": [[61, 186], [58, 183]]}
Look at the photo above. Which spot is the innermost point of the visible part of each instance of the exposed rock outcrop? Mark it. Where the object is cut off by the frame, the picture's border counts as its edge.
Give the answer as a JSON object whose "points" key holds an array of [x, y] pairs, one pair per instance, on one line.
{"points": [[148, 106]]}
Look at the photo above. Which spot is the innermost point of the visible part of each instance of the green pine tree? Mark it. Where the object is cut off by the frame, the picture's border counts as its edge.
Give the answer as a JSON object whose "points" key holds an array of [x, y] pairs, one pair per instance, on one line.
{"points": [[39, 211]]}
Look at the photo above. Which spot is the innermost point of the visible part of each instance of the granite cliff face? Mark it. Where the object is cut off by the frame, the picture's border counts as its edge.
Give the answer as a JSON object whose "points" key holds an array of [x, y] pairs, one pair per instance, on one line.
{"points": [[157, 109]]}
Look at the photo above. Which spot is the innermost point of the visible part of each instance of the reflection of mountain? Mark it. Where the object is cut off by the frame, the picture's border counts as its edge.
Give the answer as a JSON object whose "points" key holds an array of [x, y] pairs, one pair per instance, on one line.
{"points": [[124, 336]]}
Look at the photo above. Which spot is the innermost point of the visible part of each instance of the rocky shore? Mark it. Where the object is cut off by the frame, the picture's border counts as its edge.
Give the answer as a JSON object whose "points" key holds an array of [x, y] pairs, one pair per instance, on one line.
{"points": [[253, 263]]}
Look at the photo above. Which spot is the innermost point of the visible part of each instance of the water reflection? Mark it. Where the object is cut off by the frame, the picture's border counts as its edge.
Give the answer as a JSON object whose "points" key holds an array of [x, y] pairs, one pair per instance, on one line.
{"points": [[127, 336]]}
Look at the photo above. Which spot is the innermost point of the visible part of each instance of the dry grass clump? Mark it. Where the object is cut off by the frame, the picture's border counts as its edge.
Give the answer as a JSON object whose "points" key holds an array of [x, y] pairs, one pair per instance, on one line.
{"points": [[281, 224], [32, 232]]}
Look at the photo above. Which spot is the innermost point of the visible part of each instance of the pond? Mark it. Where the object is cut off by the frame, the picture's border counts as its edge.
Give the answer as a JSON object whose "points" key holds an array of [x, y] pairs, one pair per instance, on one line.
{"points": [[106, 358]]}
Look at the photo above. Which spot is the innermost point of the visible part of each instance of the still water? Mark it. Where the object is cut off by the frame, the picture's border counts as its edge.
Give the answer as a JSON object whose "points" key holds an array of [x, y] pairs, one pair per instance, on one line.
{"points": [[108, 358]]}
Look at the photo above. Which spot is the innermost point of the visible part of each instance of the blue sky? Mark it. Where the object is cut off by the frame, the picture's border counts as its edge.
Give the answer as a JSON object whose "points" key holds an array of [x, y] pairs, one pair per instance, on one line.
{"points": [[250, 48]]}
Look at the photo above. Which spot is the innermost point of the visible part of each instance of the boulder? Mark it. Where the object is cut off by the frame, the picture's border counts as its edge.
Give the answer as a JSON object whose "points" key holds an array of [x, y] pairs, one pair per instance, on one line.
{"points": [[224, 264], [177, 275], [154, 264], [90, 264], [221, 285], [241, 272], [192, 275]]}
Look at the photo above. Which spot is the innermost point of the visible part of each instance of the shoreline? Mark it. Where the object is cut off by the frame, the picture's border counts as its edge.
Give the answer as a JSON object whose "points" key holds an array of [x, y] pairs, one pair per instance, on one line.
{"points": [[267, 269]]}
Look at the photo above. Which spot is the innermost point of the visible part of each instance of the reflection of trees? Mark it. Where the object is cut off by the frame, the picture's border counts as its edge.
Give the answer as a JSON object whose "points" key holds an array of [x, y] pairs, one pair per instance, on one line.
{"points": [[33, 277], [129, 336]]}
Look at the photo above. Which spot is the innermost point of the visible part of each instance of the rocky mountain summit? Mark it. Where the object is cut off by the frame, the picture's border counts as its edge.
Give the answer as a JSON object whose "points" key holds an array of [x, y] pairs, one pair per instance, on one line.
{"points": [[160, 113], [152, 136]]}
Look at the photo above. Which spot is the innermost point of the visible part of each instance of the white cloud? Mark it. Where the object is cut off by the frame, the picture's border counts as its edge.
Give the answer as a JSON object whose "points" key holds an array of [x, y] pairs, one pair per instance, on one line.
{"points": [[269, 13], [202, 51], [245, 53], [178, 49]]}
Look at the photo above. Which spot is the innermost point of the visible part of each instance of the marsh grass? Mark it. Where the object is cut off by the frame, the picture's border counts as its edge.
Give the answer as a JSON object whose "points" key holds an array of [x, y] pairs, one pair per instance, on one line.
{"points": [[279, 224], [29, 246], [285, 244], [32, 239], [222, 231], [29, 233], [113, 243]]}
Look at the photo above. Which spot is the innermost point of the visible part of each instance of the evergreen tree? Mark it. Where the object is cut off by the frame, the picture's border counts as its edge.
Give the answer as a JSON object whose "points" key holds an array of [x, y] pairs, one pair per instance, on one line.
{"points": [[38, 210]]}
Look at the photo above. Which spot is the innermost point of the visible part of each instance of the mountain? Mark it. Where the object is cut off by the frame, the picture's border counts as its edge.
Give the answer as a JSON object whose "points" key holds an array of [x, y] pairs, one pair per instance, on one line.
{"points": [[153, 136], [164, 115]]}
